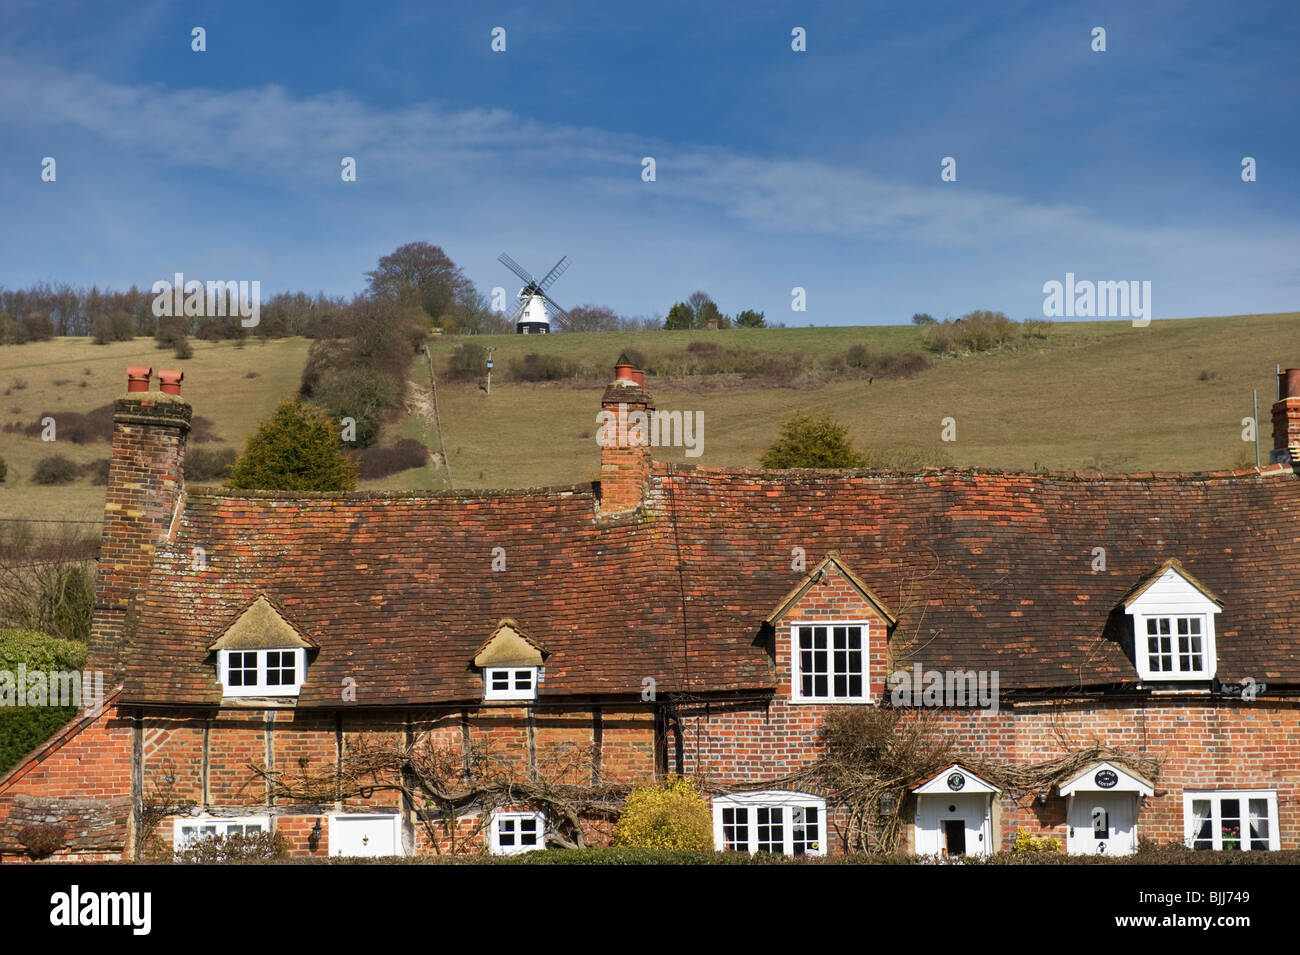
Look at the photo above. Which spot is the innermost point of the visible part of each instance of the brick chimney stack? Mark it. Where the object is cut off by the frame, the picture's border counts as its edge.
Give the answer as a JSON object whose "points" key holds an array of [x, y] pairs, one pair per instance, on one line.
{"points": [[1286, 419], [145, 479], [625, 446]]}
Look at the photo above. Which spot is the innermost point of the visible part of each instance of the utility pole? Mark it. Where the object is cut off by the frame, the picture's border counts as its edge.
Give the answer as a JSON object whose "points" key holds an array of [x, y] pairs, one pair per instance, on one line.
{"points": [[489, 378], [1254, 404]]}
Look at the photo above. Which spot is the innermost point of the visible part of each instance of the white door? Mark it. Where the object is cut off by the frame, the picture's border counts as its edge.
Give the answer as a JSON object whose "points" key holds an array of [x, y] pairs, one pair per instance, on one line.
{"points": [[364, 836], [953, 824], [1103, 823]]}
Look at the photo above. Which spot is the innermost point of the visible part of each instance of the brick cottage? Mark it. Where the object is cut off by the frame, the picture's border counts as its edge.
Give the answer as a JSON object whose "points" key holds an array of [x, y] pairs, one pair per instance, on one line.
{"points": [[1097, 658]]}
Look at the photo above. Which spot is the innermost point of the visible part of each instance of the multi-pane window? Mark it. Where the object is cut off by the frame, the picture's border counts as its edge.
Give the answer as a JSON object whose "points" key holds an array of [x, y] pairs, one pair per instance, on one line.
{"points": [[281, 667], [1175, 645], [510, 683], [515, 832], [830, 662], [261, 672], [1231, 820], [770, 825], [190, 830], [779, 822], [242, 669], [735, 828]]}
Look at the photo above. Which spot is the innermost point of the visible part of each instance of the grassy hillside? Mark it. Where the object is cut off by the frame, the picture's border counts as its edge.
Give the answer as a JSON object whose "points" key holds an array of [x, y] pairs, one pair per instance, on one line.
{"points": [[1091, 395], [51, 375]]}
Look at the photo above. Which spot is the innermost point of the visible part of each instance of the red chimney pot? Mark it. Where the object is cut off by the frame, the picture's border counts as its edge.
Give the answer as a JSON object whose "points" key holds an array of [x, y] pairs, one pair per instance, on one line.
{"points": [[137, 378], [170, 381], [639, 377], [1288, 383]]}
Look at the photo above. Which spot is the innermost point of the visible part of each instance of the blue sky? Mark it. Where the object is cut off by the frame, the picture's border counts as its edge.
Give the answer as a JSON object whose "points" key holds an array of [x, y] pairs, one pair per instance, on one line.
{"points": [[775, 169]]}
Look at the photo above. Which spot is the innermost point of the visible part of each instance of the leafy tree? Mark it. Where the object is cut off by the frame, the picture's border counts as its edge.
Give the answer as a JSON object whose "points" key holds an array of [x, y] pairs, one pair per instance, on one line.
{"points": [[750, 319], [296, 450], [422, 273], [696, 302], [813, 442], [680, 316], [921, 318], [706, 313]]}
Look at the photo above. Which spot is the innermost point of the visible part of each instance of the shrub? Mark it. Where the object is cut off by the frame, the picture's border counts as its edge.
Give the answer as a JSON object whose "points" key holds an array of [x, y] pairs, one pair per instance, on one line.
{"points": [[24, 728], [704, 349], [55, 469], [674, 816], [468, 361], [883, 363], [297, 449], [204, 465], [380, 462], [72, 426], [182, 349], [534, 367], [974, 332], [808, 442], [363, 394], [237, 847], [39, 327], [1027, 843], [41, 842], [908, 456], [921, 318], [97, 471], [171, 329]]}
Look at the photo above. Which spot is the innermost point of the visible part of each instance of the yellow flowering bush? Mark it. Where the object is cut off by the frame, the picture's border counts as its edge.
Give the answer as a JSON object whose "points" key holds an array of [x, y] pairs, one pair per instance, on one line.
{"points": [[672, 816], [1027, 843]]}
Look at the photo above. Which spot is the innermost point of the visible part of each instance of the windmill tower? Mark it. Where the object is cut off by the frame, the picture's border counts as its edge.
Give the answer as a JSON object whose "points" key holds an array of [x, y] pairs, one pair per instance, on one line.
{"points": [[537, 309]]}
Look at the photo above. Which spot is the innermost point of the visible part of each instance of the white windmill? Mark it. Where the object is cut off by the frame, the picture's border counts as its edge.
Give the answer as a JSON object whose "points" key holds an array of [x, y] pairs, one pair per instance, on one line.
{"points": [[537, 309]]}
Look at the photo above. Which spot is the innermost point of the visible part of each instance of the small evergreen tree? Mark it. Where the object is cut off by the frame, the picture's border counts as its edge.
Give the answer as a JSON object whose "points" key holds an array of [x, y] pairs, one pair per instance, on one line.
{"points": [[751, 319], [296, 450], [680, 316], [813, 442]]}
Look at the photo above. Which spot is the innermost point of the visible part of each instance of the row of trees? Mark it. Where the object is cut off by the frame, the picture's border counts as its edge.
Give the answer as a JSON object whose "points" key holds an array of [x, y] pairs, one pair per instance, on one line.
{"points": [[701, 311], [415, 278]]}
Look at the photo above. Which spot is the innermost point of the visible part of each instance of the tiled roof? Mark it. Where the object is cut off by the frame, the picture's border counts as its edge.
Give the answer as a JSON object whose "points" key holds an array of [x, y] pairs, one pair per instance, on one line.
{"points": [[994, 571], [989, 571]]}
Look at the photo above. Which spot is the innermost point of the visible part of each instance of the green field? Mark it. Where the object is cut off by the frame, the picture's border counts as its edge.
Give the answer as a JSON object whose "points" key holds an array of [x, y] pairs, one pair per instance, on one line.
{"points": [[1097, 395]]}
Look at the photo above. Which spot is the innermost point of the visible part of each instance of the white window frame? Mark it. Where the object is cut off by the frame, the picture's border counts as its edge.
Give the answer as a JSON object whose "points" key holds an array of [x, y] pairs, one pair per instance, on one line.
{"points": [[511, 692], [779, 800], [219, 826], [1216, 796], [796, 669], [262, 688], [1143, 654], [499, 816]]}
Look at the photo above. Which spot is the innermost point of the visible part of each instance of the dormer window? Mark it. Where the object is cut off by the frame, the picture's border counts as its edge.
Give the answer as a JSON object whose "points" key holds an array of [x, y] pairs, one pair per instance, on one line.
{"points": [[1173, 626], [262, 672], [261, 653], [1176, 645], [510, 683], [511, 663]]}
